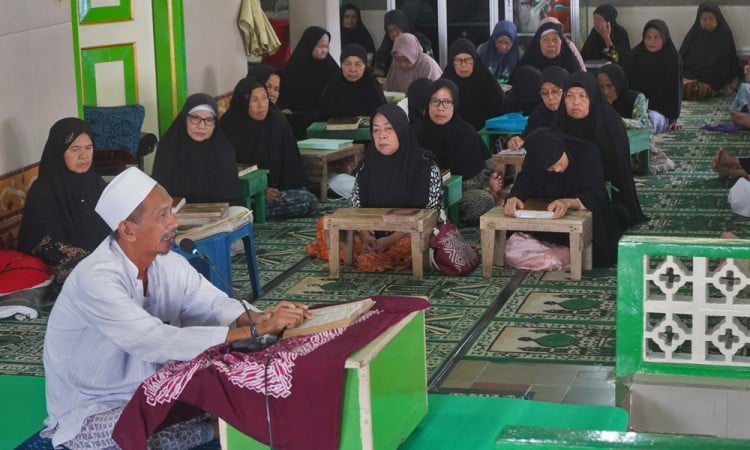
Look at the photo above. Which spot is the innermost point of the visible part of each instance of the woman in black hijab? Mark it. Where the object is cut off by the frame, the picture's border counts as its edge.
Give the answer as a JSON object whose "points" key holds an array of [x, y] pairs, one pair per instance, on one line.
{"points": [[631, 105], [195, 160], [418, 94], [260, 135], [395, 23], [585, 115], [355, 91], [655, 68], [568, 171], [458, 147], [524, 95], [394, 173], [59, 223], [709, 56], [549, 48], [270, 76], [608, 39], [303, 77], [552, 83], [481, 95], [353, 31]]}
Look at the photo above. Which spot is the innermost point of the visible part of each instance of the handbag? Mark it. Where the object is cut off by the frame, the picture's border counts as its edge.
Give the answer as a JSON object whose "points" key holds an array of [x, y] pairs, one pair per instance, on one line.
{"points": [[450, 253]]}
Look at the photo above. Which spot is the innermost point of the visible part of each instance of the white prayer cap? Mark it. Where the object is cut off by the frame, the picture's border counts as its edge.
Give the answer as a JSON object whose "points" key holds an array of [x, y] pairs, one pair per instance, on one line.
{"points": [[122, 195], [547, 31], [203, 107]]}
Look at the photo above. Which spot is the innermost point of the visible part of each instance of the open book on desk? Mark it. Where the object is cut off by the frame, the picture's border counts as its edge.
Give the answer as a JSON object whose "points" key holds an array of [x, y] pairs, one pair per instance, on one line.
{"points": [[223, 225], [535, 208], [330, 317]]}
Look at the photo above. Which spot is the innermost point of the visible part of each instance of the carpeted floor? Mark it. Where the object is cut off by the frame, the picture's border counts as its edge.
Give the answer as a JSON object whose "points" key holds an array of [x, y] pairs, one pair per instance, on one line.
{"points": [[511, 316]]}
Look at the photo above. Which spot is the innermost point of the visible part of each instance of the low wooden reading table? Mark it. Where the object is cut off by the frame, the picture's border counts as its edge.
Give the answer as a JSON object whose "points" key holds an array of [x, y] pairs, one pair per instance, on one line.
{"points": [[350, 219], [316, 163], [495, 224]]}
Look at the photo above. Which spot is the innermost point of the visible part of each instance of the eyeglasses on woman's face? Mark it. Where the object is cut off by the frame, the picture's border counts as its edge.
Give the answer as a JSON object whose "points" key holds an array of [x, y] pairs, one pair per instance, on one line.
{"points": [[551, 93], [444, 102], [197, 120]]}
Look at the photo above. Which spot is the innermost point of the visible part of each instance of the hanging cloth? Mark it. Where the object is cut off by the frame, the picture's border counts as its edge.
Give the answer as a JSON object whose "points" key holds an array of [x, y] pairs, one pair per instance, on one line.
{"points": [[257, 33]]}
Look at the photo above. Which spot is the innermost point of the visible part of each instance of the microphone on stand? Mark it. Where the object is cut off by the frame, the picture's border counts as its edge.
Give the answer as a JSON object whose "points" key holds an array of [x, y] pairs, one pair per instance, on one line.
{"points": [[254, 343]]}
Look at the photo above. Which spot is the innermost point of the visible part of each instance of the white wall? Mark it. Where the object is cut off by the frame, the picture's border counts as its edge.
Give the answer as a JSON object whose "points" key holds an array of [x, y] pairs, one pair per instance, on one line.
{"points": [[305, 13], [215, 57], [37, 79]]}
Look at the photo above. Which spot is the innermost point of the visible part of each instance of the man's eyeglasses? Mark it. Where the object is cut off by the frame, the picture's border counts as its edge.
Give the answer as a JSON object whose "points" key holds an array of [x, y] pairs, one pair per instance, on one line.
{"points": [[553, 93], [460, 61], [446, 102], [195, 120]]}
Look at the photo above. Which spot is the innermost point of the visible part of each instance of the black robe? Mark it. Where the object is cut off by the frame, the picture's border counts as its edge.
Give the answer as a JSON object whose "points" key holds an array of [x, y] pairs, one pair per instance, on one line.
{"points": [[357, 35], [269, 143], [383, 58], [542, 116], [658, 75], [593, 47], [605, 128], [524, 95], [583, 180], [199, 171], [61, 203], [626, 97], [481, 95], [457, 145], [534, 57], [710, 57], [343, 98]]}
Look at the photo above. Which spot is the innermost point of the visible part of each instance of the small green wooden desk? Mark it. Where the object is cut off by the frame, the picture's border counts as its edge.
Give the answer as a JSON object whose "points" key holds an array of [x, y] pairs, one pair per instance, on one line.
{"points": [[452, 193], [488, 135], [318, 130], [253, 189], [640, 142]]}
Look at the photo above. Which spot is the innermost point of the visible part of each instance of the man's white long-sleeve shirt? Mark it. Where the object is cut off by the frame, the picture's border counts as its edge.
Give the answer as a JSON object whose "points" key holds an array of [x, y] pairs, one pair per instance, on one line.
{"points": [[104, 336]]}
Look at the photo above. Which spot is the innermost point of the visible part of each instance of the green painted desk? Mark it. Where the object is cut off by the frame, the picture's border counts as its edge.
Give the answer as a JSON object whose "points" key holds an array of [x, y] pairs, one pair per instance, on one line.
{"points": [[488, 135], [452, 194], [385, 392], [640, 142], [318, 130], [253, 189]]}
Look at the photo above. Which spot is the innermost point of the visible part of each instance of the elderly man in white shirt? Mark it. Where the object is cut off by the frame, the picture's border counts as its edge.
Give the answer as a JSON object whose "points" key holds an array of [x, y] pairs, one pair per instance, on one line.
{"points": [[129, 307]]}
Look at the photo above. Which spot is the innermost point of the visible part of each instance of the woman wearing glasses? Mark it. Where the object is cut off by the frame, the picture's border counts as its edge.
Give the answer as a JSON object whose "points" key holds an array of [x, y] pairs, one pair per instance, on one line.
{"points": [[549, 48], [551, 84], [458, 147], [195, 160], [481, 96]]}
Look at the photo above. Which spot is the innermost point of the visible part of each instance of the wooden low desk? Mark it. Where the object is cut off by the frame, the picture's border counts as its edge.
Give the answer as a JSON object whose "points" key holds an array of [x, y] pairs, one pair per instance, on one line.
{"points": [[488, 135], [316, 163], [452, 194], [318, 130], [495, 224], [349, 220], [502, 161], [385, 392]]}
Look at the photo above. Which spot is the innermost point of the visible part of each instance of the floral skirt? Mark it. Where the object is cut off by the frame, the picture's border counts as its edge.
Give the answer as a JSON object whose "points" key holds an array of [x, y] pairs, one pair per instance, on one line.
{"points": [[397, 257]]}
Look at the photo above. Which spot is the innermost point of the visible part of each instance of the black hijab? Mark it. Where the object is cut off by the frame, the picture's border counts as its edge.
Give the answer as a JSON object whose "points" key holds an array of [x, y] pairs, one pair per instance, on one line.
{"points": [[658, 75], [625, 96], [343, 98], [303, 77], [457, 145], [383, 57], [61, 203], [594, 46], [534, 57], [199, 171], [543, 116], [400, 180], [710, 56], [262, 71], [481, 94], [524, 95], [357, 35], [605, 128], [418, 95], [583, 179], [269, 143]]}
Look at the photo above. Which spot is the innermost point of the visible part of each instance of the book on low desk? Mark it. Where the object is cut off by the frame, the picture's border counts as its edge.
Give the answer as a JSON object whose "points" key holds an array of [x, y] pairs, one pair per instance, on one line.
{"points": [[330, 317], [192, 214], [343, 123], [244, 169], [223, 225], [324, 144], [535, 208]]}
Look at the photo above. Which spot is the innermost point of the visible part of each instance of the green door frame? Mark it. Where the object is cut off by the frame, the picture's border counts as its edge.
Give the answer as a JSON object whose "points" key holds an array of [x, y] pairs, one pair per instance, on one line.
{"points": [[169, 52]]}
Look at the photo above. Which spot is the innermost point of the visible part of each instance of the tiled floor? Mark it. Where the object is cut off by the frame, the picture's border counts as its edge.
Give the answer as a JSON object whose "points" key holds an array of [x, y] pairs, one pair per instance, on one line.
{"points": [[560, 383]]}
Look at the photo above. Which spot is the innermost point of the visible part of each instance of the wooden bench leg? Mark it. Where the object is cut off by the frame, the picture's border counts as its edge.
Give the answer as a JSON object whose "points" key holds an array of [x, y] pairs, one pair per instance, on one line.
{"points": [[488, 251], [333, 252], [417, 256], [576, 255], [588, 255]]}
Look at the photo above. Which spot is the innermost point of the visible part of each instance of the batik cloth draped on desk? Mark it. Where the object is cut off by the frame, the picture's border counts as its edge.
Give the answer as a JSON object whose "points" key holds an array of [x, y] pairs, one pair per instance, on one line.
{"points": [[305, 385]]}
